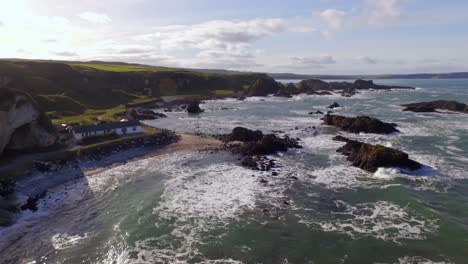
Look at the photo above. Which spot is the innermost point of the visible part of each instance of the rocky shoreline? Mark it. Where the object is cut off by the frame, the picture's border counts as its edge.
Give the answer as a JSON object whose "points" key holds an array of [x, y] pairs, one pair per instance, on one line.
{"points": [[76, 164]]}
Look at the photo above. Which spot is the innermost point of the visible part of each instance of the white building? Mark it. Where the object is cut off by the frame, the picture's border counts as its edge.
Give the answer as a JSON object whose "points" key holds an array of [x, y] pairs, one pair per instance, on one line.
{"points": [[120, 128]]}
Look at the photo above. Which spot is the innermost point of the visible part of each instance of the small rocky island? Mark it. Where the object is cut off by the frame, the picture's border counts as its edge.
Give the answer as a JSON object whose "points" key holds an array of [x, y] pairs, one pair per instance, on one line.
{"points": [[360, 124], [371, 157], [433, 106]]}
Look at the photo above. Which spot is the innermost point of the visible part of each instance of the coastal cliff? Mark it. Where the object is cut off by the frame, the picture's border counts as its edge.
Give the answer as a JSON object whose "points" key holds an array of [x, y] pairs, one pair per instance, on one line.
{"points": [[23, 125]]}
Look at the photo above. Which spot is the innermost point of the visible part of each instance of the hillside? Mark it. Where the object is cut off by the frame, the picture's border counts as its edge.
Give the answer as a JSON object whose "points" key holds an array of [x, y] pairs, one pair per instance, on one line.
{"points": [[66, 89]]}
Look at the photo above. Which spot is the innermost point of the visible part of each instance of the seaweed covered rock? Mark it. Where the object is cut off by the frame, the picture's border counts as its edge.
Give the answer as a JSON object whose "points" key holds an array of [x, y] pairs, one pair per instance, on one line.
{"points": [[244, 135], [359, 124], [263, 87], [194, 108], [434, 105], [371, 157]]}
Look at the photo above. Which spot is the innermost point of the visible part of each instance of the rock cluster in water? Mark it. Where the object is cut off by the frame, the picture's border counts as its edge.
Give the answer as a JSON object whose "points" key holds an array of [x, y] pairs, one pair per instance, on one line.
{"points": [[371, 157], [359, 124], [255, 146], [434, 105]]}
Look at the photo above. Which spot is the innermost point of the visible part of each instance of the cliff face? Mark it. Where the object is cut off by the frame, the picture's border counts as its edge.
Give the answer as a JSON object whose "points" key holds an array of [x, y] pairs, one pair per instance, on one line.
{"points": [[22, 125]]}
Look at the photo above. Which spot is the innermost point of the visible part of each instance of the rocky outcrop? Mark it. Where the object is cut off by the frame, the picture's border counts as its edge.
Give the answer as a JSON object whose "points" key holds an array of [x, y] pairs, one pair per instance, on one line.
{"points": [[143, 114], [263, 87], [256, 146], [287, 91], [194, 108], [434, 105], [347, 89], [268, 145], [371, 157], [359, 124], [22, 125], [312, 85], [243, 134]]}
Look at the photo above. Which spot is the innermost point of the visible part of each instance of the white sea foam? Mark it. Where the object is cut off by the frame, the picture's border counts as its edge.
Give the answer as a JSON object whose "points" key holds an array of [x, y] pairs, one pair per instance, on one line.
{"points": [[386, 173], [202, 193], [63, 241], [382, 220]]}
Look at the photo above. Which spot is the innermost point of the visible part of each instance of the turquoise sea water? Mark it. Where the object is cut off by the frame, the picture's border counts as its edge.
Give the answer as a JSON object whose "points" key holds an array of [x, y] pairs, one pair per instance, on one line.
{"points": [[206, 208]]}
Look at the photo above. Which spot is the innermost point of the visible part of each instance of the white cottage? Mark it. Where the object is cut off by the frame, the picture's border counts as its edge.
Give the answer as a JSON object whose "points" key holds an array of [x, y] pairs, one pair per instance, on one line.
{"points": [[120, 128]]}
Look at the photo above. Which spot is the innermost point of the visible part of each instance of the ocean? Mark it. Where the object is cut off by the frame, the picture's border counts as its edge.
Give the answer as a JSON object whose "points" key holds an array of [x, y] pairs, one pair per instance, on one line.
{"points": [[206, 208]]}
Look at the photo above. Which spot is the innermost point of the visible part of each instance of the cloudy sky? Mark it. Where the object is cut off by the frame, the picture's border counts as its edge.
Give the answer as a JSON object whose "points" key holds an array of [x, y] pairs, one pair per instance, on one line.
{"points": [[302, 36]]}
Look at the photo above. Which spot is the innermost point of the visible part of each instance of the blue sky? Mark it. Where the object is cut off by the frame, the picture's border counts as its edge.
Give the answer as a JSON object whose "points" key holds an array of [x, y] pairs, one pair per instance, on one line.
{"points": [[302, 36]]}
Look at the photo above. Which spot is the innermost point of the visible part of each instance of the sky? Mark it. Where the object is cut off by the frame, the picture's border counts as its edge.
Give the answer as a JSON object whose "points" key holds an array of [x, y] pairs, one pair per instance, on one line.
{"points": [[299, 36]]}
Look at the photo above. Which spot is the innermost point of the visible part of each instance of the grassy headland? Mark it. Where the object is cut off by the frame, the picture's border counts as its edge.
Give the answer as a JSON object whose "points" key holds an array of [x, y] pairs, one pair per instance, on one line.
{"points": [[88, 92]]}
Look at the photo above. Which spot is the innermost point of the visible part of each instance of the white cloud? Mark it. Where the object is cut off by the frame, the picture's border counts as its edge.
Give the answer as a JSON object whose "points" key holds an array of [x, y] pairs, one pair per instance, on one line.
{"points": [[217, 43], [66, 54], [368, 60], [215, 34], [96, 18], [334, 19], [383, 11], [313, 61]]}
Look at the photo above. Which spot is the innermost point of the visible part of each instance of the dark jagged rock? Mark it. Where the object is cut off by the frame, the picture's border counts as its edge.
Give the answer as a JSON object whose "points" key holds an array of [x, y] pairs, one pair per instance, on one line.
{"points": [[347, 89], [31, 203], [268, 145], [311, 86], [434, 105], [371, 157], [287, 91], [316, 113], [194, 108], [243, 134], [334, 105], [348, 92], [263, 87], [322, 93], [367, 85], [260, 163], [364, 85], [143, 114], [256, 146], [359, 124]]}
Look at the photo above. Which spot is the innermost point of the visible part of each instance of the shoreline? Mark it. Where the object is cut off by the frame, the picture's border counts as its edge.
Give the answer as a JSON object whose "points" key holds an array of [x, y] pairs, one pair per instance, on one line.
{"points": [[188, 143]]}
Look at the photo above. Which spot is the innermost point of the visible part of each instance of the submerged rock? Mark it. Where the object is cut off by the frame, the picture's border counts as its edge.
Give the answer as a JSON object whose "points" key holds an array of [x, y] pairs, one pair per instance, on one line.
{"points": [[334, 105], [316, 113], [371, 157], [359, 124], [194, 108], [434, 105]]}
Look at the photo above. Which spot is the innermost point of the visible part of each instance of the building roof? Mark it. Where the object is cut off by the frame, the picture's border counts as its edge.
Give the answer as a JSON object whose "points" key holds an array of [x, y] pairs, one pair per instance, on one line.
{"points": [[106, 126]]}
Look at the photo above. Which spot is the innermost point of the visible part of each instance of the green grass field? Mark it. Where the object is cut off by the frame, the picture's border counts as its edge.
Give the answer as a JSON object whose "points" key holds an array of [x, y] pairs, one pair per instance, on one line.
{"points": [[121, 67]]}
